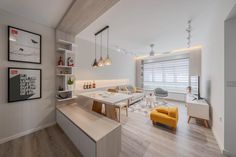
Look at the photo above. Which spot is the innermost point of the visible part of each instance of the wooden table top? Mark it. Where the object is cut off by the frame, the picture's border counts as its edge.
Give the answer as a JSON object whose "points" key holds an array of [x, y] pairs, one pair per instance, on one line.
{"points": [[94, 125]]}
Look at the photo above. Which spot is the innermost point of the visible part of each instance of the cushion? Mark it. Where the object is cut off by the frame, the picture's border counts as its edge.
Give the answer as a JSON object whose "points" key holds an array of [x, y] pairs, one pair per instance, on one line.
{"points": [[131, 88], [123, 88], [173, 112], [113, 90], [162, 109]]}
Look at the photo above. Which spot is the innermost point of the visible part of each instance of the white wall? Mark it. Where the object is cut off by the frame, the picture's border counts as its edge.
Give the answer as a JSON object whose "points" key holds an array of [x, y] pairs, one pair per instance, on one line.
{"points": [[22, 117], [123, 66], [230, 86], [212, 86]]}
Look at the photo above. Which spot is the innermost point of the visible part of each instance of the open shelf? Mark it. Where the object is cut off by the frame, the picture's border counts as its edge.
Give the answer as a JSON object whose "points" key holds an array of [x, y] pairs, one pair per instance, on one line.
{"points": [[65, 74], [66, 99], [63, 50], [65, 91], [65, 56], [61, 41], [65, 66]]}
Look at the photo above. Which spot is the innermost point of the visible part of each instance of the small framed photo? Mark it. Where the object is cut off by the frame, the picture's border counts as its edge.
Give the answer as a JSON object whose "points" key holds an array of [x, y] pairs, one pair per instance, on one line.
{"points": [[24, 84], [24, 46]]}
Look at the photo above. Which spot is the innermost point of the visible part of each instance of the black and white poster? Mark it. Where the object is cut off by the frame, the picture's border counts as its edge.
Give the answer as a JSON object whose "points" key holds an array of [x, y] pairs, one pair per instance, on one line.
{"points": [[23, 46], [23, 84]]}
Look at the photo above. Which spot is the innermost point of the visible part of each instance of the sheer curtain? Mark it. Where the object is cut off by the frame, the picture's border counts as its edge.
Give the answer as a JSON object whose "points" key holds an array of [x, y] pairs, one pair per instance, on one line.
{"points": [[171, 75]]}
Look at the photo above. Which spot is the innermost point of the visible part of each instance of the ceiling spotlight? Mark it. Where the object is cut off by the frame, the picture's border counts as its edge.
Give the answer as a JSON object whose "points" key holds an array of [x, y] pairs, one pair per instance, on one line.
{"points": [[152, 53]]}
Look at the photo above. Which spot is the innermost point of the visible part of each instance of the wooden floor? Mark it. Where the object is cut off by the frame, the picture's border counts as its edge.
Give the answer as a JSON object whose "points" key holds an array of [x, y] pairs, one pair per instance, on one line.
{"points": [[139, 139]]}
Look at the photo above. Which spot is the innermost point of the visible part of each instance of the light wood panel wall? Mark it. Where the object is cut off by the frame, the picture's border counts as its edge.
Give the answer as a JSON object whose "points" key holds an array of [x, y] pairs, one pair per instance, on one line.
{"points": [[82, 13]]}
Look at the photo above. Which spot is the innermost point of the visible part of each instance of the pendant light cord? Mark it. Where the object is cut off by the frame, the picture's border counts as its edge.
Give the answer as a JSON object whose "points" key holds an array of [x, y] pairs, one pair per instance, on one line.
{"points": [[107, 42], [101, 46], [95, 46]]}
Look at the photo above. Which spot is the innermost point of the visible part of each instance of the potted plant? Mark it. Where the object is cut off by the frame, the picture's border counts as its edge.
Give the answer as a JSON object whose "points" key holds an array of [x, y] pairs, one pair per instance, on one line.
{"points": [[70, 84]]}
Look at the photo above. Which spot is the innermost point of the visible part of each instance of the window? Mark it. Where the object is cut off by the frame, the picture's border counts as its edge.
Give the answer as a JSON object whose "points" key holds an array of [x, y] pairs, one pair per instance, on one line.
{"points": [[171, 75]]}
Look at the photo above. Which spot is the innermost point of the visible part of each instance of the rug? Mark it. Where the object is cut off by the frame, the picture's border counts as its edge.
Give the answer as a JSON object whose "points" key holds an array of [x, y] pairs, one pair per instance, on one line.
{"points": [[144, 109]]}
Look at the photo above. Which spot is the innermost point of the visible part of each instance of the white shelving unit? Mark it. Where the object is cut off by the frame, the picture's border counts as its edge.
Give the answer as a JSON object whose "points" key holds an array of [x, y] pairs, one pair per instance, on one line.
{"points": [[65, 50]]}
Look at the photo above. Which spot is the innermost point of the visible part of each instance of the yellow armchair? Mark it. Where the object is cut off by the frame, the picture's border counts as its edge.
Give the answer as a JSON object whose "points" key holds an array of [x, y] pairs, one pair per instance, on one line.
{"points": [[165, 115]]}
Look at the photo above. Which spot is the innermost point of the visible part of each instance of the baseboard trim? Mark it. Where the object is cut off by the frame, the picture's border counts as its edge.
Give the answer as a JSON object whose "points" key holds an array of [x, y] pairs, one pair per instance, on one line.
{"points": [[228, 154], [218, 140], [18, 135]]}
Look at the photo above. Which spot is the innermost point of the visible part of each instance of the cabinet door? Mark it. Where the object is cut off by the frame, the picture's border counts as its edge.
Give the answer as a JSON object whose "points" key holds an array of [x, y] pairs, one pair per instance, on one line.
{"points": [[83, 143], [198, 111]]}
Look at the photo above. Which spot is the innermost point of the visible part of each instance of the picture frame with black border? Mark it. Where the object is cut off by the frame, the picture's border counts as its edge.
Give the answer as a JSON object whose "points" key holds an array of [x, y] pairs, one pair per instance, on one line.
{"points": [[27, 86], [20, 40]]}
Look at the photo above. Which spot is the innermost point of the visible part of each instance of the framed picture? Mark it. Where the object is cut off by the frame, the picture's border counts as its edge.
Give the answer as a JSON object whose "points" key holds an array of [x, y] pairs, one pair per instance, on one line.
{"points": [[24, 84], [23, 46]]}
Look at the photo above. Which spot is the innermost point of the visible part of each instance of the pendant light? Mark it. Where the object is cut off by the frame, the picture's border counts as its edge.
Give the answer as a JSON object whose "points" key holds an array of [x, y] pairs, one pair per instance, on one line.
{"points": [[108, 60], [101, 62], [95, 63]]}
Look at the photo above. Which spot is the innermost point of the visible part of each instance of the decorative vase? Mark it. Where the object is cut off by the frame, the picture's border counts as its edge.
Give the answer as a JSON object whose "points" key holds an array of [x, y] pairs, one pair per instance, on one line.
{"points": [[70, 87]]}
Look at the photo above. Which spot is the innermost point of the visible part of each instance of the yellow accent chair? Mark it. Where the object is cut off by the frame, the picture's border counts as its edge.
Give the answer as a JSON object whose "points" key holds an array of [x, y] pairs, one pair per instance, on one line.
{"points": [[165, 115]]}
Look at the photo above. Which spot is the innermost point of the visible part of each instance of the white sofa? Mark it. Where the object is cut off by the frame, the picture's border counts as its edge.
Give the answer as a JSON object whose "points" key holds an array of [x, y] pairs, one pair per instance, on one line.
{"points": [[137, 93]]}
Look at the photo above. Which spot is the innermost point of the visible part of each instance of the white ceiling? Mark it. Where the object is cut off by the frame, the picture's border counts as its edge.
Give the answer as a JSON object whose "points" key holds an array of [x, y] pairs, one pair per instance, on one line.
{"points": [[135, 24], [46, 12]]}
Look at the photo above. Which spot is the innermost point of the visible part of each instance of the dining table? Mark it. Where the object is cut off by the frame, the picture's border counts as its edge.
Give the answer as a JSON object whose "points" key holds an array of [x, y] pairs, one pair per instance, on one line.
{"points": [[111, 100]]}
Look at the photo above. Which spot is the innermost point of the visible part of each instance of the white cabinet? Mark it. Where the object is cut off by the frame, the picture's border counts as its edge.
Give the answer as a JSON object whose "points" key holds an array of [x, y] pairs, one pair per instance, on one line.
{"points": [[93, 135], [84, 144], [197, 109]]}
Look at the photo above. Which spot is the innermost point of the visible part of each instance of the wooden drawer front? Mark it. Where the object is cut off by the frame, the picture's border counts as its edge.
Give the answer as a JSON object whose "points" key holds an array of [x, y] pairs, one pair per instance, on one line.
{"points": [[83, 143]]}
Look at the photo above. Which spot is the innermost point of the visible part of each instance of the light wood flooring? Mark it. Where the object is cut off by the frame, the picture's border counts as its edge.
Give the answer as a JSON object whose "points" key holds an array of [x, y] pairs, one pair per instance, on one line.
{"points": [[139, 139]]}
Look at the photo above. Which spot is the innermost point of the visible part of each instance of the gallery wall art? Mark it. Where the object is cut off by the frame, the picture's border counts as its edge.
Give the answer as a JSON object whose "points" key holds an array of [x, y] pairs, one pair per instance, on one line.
{"points": [[24, 46], [24, 84]]}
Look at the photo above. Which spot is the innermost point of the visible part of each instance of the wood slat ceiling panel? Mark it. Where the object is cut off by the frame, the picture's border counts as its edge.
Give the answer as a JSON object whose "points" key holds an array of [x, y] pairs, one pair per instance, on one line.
{"points": [[82, 13]]}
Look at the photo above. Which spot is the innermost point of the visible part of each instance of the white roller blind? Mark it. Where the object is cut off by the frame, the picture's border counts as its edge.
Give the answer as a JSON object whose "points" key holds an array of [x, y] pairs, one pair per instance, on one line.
{"points": [[171, 75]]}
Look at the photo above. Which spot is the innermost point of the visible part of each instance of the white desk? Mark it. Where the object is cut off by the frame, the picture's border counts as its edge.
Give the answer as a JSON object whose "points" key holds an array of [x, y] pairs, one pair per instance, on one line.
{"points": [[93, 134], [110, 99], [197, 109]]}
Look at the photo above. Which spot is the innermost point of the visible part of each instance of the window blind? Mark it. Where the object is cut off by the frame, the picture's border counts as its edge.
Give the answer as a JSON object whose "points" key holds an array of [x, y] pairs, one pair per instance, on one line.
{"points": [[171, 75]]}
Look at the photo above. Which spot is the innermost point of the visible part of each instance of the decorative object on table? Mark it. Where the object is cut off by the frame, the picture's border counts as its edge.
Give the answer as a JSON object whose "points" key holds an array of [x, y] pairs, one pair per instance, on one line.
{"points": [[165, 115], [94, 84], [60, 62], [90, 85], [70, 84], [70, 61], [60, 88], [23, 46], [189, 90], [23, 84], [102, 62]]}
